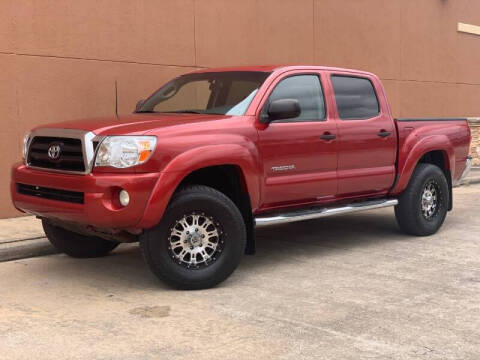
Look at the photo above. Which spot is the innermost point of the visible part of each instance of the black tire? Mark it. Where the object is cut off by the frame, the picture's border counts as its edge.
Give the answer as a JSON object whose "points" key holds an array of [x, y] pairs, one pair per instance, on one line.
{"points": [[76, 245], [159, 253], [409, 212]]}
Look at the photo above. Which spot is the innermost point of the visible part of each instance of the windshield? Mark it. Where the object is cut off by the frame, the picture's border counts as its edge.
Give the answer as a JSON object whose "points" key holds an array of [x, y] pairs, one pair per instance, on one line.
{"points": [[225, 93]]}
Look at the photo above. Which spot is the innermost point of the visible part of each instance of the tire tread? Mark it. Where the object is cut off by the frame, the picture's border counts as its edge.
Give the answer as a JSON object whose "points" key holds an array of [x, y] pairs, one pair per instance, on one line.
{"points": [[165, 271], [408, 216], [77, 245]]}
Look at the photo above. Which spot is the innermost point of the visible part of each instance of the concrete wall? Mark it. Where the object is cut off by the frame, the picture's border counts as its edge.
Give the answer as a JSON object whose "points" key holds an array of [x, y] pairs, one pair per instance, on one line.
{"points": [[60, 59]]}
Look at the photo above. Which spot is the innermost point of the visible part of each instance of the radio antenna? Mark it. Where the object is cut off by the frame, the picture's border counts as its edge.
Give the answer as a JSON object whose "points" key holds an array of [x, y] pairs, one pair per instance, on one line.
{"points": [[116, 99]]}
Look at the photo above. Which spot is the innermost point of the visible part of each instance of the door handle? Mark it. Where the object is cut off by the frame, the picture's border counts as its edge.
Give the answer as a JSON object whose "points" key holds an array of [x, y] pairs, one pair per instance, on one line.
{"points": [[328, 136], [384, 133]]}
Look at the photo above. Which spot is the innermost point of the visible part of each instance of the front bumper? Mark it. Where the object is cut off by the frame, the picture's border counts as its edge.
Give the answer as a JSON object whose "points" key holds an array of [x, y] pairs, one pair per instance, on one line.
{"points": [[100, 207], [466, 171]]}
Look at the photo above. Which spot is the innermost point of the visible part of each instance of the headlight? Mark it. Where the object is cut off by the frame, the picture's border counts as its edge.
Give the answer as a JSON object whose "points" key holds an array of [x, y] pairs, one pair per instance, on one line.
{"points": [[26, 139], [125, 151]]}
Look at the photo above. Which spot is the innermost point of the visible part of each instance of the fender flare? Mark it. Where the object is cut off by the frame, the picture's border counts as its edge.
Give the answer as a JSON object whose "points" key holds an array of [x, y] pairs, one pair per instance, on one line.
{"points": [[419, 149], [197, 158]]}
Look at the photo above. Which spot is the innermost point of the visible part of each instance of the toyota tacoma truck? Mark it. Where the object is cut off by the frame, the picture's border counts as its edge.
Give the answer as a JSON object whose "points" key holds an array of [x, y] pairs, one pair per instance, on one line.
{"points": [[215, 153]]}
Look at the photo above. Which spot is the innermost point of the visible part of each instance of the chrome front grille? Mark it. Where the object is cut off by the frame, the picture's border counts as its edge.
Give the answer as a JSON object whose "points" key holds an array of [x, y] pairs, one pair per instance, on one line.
{"points": [[70, 156], [61, 150]]}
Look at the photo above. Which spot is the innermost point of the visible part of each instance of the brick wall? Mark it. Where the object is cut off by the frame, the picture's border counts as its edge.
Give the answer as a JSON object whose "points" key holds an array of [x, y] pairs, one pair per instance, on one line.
{"points": [[475, 146]]}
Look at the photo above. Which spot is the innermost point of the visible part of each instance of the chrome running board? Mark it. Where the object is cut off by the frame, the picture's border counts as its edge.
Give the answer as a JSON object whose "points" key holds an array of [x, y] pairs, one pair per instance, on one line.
{"points": [[315, 213]]}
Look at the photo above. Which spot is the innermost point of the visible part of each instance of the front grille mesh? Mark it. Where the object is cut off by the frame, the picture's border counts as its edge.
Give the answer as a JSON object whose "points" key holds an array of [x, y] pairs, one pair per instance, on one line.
{"points": [[70, 159], [52, 194]]}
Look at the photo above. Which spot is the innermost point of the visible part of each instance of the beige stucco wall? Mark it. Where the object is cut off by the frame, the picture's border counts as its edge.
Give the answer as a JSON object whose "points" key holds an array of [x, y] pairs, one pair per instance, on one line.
{"points": [[60, 60]]}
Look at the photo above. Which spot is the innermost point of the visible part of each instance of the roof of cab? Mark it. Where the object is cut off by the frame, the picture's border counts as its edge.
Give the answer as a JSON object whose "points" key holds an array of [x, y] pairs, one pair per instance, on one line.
{"points": [[280, 68]]}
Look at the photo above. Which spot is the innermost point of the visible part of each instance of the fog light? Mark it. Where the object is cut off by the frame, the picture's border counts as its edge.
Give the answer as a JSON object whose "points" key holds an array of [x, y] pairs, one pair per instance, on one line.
{"points": [[124, 197]]}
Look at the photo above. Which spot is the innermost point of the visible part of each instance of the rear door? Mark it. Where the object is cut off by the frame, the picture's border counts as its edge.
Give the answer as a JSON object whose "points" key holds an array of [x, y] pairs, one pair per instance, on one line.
{"points": [[367, 138], [299, 154]]}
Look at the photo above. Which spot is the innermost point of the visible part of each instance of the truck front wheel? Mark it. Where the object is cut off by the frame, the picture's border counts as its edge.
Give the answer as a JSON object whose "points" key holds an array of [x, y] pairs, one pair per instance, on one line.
{"points": [[76, 245], [422, 207], [199, 241]]}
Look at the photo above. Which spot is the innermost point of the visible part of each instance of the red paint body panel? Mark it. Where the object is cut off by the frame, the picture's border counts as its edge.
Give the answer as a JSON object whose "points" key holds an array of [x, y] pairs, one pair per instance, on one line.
{"points": [[366, 162], [133, 124], [357, 164], [100, 194], [420, 137], [298, 144]]}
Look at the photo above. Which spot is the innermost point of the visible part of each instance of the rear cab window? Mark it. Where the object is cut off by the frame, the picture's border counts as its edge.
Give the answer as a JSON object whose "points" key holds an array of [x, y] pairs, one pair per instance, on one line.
{"points": [[355, 97]]}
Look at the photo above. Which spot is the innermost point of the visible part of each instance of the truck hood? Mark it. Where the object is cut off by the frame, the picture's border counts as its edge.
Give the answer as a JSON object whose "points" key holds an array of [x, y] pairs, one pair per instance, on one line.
{"points": [[134, 124]]}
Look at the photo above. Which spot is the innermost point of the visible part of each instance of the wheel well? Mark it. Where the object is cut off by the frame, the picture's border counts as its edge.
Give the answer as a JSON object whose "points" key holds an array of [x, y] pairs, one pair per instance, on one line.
{"points": [[229, 180], [436, 157], [440, 159]]}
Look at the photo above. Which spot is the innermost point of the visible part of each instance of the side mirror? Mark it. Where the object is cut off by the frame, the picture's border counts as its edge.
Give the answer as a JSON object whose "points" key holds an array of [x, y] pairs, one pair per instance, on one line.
{"points": [[283, 109], [139, 105]]}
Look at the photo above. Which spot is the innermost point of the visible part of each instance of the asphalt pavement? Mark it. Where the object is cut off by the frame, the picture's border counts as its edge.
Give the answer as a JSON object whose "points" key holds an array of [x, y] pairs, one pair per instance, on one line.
{"points": [[346, 287]]}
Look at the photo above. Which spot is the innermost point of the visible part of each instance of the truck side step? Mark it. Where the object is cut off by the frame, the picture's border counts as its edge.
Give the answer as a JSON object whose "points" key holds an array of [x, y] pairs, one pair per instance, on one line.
{"points": [[315, 213]]}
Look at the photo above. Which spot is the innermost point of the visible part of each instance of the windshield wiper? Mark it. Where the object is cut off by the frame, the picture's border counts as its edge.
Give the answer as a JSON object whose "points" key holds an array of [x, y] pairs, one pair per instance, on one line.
{"points": [[186, 111]]}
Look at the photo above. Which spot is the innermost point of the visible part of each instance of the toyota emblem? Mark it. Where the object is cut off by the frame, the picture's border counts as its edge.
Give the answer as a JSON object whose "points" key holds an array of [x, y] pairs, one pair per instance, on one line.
{"points": [[54, 151]]}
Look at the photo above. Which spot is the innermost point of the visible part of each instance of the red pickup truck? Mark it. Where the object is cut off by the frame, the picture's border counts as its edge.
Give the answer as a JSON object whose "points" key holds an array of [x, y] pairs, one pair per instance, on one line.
{"points": [[217, 152]]}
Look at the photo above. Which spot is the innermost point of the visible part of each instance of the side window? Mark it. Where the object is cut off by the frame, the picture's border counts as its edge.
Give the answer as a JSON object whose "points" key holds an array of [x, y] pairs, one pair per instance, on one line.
{"points": [[307, 90], [355, 97]]}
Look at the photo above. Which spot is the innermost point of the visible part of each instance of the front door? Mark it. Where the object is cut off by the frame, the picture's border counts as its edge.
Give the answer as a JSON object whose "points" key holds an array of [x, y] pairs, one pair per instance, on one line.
{"points": [[299, 154]]}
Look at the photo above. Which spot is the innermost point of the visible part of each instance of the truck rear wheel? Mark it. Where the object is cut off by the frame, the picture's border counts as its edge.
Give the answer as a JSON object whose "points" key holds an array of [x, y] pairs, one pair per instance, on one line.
{"points": [[199, 242], [422, 207], [76, 245]]}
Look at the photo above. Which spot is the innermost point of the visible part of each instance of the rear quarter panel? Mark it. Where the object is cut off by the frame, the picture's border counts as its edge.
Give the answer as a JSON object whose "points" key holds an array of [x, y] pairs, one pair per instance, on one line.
{"points": [[418, 137]]}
